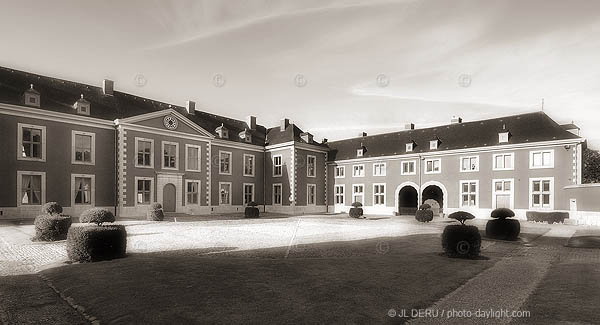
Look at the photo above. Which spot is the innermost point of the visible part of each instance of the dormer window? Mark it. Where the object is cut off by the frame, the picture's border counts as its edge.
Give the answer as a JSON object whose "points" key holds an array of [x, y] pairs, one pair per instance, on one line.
{"points": [[222, 132], [246, 136], [359, 152], [410, 146], [82, 106], [32, 97], [433, 144], [503, 137]]}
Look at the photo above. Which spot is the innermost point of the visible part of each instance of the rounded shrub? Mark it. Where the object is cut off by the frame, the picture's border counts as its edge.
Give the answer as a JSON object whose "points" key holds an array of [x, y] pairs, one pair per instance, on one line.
{"points": [[356, 211], [52, 208], [51, 227], [251, 211], [96, 243], [97, 216], [501, 227], [461, 241], [502, 213], [424, 214], [155, 212]]}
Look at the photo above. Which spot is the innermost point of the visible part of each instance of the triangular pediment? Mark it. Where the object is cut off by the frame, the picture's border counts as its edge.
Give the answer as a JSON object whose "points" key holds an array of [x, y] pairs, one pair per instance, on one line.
{"points": [[167, 120]]}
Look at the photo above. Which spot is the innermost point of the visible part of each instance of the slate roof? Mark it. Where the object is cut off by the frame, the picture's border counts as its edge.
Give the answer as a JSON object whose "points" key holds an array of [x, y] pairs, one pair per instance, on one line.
{"points": [[291, 133], [59, 96], [523, 128]]}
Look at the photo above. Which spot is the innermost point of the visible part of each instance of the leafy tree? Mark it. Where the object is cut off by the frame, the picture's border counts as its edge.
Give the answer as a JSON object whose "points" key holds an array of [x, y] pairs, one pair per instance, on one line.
{"points": [[591, 166]]}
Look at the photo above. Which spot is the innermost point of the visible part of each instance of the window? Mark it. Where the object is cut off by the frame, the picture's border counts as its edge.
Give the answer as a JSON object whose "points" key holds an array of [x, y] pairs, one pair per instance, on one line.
{"points": [[433, 144], [311, 194], [224, 162], [502, 193], [277, 166], [340, 171], [379, 169], [541, 159], [224, 193], [359, 152], [143, 190], [83, 190], [358, 171], [82, 147], [170, 155], [469, 164], [192, 158], [277, 194], [248, 165], [248, 193], [503, 137], [504, 161], [31, 142], [339, 194], [408, 168], [31, 188], [433, 166], [192, 192], [311, 166], [468, 194], [378, 194], [145, 153], [541, 193], [358, 193], [409, 147]]}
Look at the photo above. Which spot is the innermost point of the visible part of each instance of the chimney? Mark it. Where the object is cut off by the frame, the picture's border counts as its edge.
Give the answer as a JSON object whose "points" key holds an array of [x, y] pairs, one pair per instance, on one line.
{"points": [[409, 126], [362, 134], [455, 120], [251, 121], [190, 106], [284, 124], [108, 87], [324, 141]]}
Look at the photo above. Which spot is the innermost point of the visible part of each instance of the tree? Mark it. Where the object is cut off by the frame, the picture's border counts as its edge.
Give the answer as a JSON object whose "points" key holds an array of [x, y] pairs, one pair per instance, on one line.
{"points": [[591, 166]]}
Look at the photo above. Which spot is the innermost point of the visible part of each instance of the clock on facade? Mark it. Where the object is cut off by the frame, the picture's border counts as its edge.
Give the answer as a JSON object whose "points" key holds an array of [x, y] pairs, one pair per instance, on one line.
{"points": [[170, 122]]}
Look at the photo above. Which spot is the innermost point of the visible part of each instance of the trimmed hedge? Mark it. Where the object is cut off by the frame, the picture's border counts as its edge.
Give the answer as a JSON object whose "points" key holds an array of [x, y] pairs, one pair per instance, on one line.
{"points": [[97, 216], [549, 217], [52, 208], [356, 212], [424, 215], [505, 229], [96, 243], [155, 212], [461, 241], [51, 227], [251, 212]]}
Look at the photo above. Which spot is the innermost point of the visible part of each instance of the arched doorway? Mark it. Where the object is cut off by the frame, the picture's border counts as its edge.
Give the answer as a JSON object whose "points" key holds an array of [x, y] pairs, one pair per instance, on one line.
{"points": [[407, 200], [169, 198], [434, 196]]}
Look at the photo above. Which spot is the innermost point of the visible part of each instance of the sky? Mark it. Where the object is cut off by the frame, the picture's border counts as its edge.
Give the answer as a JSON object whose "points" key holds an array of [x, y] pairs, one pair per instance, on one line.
{"points": [[333, 67]]}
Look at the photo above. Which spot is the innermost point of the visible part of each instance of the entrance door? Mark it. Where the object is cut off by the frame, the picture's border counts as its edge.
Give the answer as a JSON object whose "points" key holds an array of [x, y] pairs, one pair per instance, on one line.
{"points": [[169, 195]]}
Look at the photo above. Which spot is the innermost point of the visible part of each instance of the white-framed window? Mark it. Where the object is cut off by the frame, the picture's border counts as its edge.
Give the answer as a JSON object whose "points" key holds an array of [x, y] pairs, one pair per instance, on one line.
{"points": [[409, 167], [541, 193], [469, 193], [340, 171], [379, 194], [541, 159], [503, 193], [311, 194], [358, 193], [503, 137], [433, 144], [359, 152], [433, 166], [504, 161], [144, 189], [83, 189], [340, 190], [83, 147], [31, 142], [249, 165], [277, 193], [31, 188], [224, 193], [248, 193], [277, 165], [358, 170], [170, 152], [144, 149], [469, 164], [225, 162], [379, 169], [409, 147], [192, 192], [311, 166], [193, 162]]}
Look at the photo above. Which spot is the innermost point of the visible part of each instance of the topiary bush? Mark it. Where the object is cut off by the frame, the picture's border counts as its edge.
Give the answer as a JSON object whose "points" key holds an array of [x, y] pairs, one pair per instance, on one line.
{"points": [[501, 227], [97, 216], [549, 217], [251, 211], [461, 240], [424, 214], [155, 212], [356, 211], [52, 208], [96, 243], [51, 227]]}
